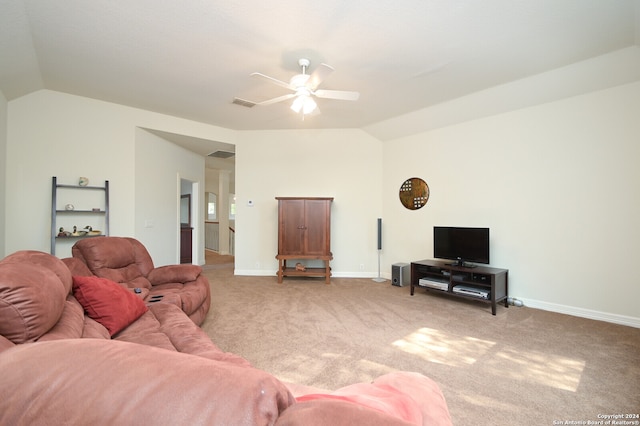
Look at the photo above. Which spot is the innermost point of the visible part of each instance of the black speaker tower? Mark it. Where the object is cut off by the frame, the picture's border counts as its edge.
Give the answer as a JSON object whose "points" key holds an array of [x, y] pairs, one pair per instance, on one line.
{"points": [[379, 279]]}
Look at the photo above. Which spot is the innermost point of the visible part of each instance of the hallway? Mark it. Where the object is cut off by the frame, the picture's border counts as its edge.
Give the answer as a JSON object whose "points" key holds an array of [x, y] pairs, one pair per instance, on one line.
{"points": [[213, 258]]}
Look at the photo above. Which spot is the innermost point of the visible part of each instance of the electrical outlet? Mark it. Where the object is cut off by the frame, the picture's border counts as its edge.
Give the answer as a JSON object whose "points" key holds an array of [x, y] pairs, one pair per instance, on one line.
{"points": [[362, 266], [257, 265]]}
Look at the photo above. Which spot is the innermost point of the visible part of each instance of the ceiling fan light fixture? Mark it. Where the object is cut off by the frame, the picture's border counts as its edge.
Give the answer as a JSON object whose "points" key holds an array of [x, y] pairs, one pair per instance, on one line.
{"points": [[309, 106], [304, 104], [296, 106]]}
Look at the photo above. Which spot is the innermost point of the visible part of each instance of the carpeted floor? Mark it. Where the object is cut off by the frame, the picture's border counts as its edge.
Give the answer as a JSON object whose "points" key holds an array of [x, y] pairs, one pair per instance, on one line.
{"points": [[213, 258], [520, 367]]}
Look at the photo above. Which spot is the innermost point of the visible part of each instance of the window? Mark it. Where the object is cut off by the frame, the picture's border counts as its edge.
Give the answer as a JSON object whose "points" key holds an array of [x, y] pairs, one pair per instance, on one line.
{"points": [[211, 206], [232, 207]]}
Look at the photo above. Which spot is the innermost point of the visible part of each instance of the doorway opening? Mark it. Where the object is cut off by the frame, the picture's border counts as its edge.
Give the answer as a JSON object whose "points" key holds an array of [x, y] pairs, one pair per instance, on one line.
{"points": [[187, 224]]}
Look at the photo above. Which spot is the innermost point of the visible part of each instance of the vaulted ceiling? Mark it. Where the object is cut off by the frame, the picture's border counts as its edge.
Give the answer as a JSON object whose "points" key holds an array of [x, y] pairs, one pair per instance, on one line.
{"points": [[191, 58]]}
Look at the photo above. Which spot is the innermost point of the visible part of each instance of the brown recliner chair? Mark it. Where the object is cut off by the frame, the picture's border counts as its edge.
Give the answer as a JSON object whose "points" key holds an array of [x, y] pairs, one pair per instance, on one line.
{"points": [[126, 261]]}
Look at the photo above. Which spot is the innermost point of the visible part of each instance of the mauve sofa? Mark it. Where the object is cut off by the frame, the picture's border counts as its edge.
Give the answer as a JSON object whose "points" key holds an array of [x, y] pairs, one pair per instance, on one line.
{"points": [[86, 350], [125, 260]]}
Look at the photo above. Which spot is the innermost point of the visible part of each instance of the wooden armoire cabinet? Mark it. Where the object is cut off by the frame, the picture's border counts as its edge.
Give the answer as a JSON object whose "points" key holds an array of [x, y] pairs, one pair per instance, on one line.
{"points": [[304, 233]]}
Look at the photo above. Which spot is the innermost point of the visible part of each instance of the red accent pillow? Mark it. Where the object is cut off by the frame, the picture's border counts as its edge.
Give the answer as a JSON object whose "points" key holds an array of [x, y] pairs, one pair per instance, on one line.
{"points": [[108, 302]]}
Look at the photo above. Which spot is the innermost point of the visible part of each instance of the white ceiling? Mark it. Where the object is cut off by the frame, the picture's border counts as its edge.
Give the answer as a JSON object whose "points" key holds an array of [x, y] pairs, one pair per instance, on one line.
{"points": [[191, 58]]}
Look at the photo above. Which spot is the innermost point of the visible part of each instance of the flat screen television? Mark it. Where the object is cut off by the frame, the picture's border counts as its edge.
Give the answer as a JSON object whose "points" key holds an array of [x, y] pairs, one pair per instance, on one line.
{"points": [[464, 246]]}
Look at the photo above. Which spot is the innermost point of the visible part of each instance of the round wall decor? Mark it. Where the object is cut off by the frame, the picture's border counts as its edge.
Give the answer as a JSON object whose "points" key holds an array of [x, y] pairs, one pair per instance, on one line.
{"points": [[414, 193]]}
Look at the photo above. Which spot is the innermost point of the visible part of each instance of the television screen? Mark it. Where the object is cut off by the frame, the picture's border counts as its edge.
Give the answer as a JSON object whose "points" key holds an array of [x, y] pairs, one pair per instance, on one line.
{"points": [[461, 244]]}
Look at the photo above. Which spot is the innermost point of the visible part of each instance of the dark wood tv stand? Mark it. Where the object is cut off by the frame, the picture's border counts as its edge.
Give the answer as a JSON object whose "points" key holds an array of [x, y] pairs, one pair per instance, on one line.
{"points": [[442, 277]]}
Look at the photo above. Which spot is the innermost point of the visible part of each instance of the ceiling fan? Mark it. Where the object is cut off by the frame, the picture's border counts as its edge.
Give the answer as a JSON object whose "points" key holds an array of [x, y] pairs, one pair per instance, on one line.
{"points": [[305, 87]]}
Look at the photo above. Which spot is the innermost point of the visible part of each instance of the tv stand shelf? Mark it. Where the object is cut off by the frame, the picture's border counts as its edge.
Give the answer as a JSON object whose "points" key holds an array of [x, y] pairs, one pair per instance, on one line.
{"points": [[481, 283]]}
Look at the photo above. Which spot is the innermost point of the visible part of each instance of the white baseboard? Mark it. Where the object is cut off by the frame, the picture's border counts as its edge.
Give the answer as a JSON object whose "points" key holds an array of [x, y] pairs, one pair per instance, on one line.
{"points": [[254, 273], [583, 313], [359, 275], [265, 273]]}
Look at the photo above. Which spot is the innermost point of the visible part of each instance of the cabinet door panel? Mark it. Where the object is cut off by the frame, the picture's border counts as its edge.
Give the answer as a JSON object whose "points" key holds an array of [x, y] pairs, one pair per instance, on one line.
{"points": [[291, 235], [317, 224]]}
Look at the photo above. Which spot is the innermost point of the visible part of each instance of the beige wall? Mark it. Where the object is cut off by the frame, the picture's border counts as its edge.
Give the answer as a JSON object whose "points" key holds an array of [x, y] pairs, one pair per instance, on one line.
{"points": [[160, 167], [559, 186], [3, 158], [345, 164]]}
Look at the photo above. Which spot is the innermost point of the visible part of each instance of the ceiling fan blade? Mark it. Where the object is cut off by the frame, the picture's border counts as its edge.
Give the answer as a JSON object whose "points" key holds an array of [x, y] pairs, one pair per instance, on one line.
{"points": [[275, 100], [273, 80], [318, 76], [343, 95]]}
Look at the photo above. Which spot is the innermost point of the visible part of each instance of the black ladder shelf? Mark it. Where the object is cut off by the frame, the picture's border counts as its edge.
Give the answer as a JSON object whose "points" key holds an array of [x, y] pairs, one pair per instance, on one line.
{"points": [[55, 210]]}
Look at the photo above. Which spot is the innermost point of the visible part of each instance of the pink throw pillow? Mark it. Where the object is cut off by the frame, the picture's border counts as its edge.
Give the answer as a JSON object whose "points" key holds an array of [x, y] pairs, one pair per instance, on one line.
{"points": [[108, 302]]}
